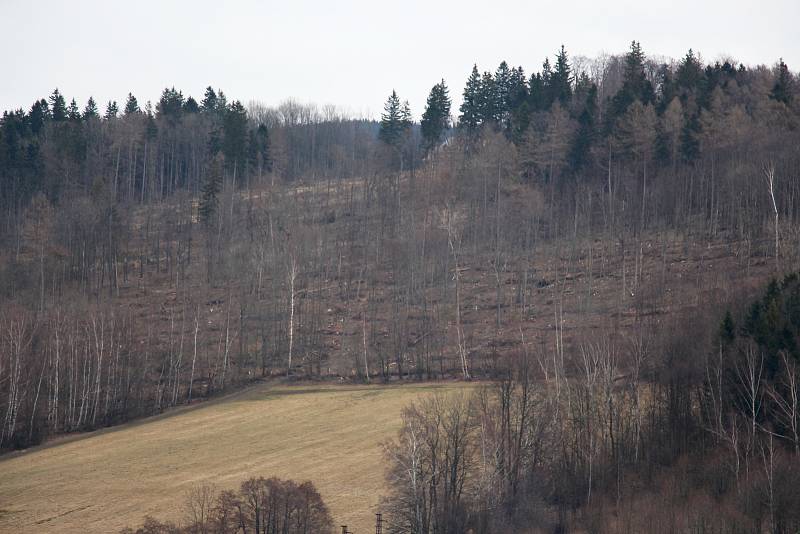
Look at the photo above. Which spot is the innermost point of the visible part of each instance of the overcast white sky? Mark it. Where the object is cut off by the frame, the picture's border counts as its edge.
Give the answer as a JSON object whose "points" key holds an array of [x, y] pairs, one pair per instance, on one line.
{"points": [[350, 53]]}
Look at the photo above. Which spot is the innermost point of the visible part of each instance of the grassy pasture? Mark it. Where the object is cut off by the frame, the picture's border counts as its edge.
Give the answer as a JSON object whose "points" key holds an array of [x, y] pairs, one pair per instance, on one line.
{"points": [[102, 482]]}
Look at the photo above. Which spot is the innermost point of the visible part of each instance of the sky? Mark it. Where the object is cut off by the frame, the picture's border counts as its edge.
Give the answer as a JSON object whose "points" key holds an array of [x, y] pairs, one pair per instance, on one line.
{"points": [[351, 53]]}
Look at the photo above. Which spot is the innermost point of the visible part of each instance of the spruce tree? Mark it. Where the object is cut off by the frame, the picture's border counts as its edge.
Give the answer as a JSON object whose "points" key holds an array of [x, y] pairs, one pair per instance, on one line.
{"points": [[111, 110], [392, 121], [209, 102], [209, 194], [585, 136], [502, 88], [518, 110], [689, 75], [222, 102], [73, 113], [39, 114], [470, 117], [488, 102], [151, 128], [90, 111], [536, 93], [58, 106], [636, 77], [234, 130], [258, 156], [634, 61], [131, 105], [727, 329], [191, 106], [783, 88], [215, 140], [561, 79], [690, 72], [690, 138], [170, 105], [547, 90], [517, 88], [520, 120], [405, 116], [635, 86], [667, 88], [582, 84], [436, 117]]}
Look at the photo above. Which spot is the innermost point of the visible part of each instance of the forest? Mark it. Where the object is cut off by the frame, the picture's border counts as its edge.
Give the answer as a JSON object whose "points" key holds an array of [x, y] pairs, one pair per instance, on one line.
{"points": [[611, 243]]}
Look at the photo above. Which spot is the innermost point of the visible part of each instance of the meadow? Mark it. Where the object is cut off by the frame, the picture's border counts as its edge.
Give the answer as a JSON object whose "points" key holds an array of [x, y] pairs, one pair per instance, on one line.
{"points": [[110, 479]]}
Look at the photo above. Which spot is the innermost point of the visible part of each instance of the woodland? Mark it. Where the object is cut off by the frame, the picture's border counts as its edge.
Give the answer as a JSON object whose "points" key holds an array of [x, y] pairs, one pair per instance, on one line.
{"points": [[611, 244]]}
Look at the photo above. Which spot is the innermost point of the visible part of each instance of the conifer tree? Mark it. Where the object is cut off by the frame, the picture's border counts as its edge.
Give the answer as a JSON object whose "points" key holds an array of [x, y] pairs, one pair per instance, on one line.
{"points": [[689, 75], [585, 135], [536, 96], [73, 113], [546, 79], [470, 117], [502, 87], [58, 106], [90, 111], [405, 116], [436, 117], [209, 194], [222, 102], [561, 79], [635, 85], [517, 118], [170, 104], [209, 102], [520, 121], [191, 106], [489, 100], [111, 110], [690, 142], [215, 136], [582, 84], [667, 89], [783, 88], [131, 105], [39, 114], [234, 143], [517, 88], [151, 128], [392, 121], [258, 155], [727, 329], [634, 63]]}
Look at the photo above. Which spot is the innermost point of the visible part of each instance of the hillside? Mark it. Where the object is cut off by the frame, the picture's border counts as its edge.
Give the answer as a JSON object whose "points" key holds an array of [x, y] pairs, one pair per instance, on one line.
{"points": [[156, 255]]}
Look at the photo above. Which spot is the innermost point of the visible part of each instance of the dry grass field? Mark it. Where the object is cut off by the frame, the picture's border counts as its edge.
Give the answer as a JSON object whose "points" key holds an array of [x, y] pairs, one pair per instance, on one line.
{"points": [[107, 480]]}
